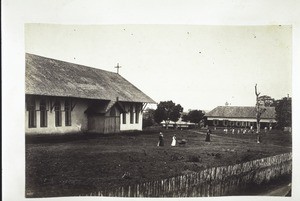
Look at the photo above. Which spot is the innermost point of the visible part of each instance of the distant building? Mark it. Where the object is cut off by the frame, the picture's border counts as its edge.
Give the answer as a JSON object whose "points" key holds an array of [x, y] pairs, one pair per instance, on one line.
{"points": [[178, 124], [63, 97], [238, 116]]}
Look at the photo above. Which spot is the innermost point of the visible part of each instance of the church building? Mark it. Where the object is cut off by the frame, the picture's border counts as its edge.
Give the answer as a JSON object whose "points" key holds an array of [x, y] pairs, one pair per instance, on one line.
{"points": [[63, 97]]}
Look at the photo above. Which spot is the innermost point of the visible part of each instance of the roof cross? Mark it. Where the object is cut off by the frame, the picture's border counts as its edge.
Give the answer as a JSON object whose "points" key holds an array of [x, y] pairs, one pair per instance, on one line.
{"points": [[118, 68]]}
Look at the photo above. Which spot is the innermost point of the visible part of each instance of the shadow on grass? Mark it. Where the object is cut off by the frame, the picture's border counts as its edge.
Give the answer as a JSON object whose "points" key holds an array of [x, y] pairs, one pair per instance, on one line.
{"points": [[68, 137]]}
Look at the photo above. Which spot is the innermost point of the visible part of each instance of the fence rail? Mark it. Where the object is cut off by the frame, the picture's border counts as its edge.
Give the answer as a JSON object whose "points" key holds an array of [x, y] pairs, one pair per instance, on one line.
{"points": [[215, 181]]}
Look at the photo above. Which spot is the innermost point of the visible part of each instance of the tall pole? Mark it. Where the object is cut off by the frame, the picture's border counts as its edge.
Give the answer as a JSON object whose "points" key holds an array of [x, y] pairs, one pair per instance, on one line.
{"points": [[258, 112]]}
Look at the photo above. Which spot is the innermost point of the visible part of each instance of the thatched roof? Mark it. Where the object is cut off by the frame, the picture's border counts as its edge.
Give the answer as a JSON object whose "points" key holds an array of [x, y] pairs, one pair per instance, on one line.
{"points": [[50, 77], [240, 112]]}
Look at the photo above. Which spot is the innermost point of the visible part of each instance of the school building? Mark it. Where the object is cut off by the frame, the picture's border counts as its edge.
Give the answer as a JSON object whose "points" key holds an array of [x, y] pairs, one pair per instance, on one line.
{"points": [[63, 97], [240, 117]]}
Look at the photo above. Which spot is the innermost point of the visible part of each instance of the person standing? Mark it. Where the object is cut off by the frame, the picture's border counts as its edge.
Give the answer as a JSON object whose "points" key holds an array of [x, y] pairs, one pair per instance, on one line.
{"points": [[258, 138], [207, 139], [173, 144], [161, 140]]}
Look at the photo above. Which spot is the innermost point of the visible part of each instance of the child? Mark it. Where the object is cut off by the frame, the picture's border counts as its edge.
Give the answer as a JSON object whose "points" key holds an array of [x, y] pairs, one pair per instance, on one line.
{"points": [[173, 144]]}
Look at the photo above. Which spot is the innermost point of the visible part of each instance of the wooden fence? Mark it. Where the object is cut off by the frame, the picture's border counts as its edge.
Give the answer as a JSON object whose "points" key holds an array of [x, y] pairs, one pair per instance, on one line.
{"points": [[216, 181]]}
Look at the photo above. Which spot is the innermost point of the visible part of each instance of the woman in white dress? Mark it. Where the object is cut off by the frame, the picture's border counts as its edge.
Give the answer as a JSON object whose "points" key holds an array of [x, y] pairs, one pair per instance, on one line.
{"points": [[173, 144]]}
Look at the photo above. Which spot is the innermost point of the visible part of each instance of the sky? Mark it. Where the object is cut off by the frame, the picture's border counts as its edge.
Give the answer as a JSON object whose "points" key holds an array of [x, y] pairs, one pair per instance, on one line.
{"points": [[198, 67]]}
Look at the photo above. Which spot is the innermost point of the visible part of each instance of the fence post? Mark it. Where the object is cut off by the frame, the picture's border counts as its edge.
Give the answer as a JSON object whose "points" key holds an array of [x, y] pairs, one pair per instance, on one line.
{"points": [[215, 181]]}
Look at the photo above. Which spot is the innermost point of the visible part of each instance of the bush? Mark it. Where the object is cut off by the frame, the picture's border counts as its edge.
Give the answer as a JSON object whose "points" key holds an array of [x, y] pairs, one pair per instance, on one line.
{"points": [[147, 122], [218, 155], [176, 157], [194, 159]]}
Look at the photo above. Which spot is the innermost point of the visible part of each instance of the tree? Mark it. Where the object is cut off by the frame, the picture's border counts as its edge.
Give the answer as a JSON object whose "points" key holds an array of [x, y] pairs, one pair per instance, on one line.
{"points": [[259, 110], [266, 101], [148, 117], [185, 117], [167, 110], [195, 116], [283, 110]]}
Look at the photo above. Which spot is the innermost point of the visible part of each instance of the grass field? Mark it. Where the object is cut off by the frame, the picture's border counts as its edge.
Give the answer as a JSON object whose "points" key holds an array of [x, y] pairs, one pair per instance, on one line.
{"points": [[79, 164]]}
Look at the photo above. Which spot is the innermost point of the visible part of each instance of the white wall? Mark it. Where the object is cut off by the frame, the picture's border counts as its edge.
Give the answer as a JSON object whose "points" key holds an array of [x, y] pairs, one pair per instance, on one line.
{"points": [[128, 125], [78, 120]]}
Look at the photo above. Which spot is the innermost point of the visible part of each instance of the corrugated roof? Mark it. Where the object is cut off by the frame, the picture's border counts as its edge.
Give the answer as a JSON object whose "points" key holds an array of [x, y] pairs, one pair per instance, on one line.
{"points": [[46, 76], [241, 112]]}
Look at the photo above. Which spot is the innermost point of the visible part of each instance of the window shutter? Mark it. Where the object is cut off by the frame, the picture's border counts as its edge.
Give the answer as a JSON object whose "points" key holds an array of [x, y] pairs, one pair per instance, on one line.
{"points": [[37, 104], [62, 105], [48, 104]]}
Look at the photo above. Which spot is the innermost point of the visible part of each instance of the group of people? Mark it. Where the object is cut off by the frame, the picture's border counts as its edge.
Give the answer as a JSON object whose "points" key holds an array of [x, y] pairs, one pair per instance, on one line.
{"points": [[174, 139], [243, 130], [161, 140], [238, 131], [207, 138]]}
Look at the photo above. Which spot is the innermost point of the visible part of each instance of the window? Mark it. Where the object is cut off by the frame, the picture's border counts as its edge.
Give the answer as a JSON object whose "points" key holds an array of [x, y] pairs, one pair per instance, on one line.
{"points": [[57, 109], [31, 113], [131, 114], [231, 123], [215, 122], [124, 118], [43, 114], [68, 119], [137, 114]]}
